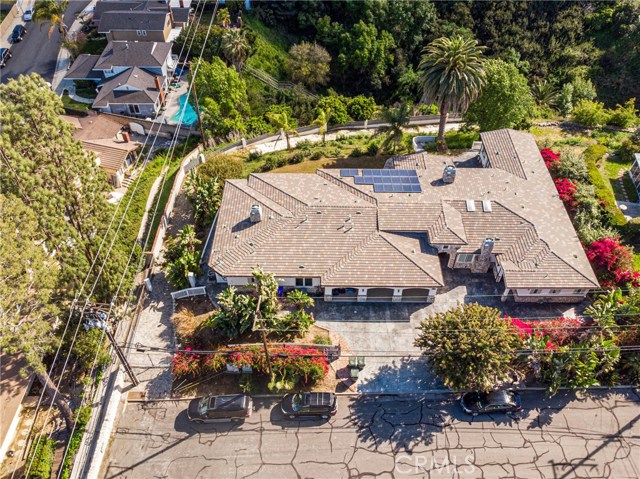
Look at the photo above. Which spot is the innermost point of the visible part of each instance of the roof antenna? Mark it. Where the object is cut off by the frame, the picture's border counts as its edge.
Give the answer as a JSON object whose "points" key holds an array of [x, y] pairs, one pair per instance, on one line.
{"points": [[348, 220]]}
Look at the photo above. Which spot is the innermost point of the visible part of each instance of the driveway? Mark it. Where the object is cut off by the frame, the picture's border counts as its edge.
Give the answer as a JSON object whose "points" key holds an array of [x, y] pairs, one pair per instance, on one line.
{"points": [[38, 53], [386, 437], [384, 332]]}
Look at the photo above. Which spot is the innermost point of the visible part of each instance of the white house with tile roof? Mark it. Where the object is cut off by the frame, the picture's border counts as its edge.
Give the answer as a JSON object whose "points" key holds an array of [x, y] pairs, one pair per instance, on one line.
{"points": [[376, 235]]}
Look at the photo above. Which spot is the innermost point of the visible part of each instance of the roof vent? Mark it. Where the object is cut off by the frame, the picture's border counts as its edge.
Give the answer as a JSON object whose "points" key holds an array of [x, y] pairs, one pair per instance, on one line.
{"points": [[486, 206], [255, 215], [449, 174], [471, 205]]}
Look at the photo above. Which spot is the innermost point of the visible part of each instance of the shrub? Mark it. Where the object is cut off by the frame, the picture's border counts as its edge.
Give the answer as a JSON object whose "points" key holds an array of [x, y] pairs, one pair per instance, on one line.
{"points": [[256, 126], [304, 145], [573, 166], [551, 159], [357, 152], [373, 148], [182, 257], [603, 192], [361, 107], [297, 158], [590, 113], [254, 155], [624, 116], [316, 155], [567, 190], [82, 419], [221, 166], [324, 339], [613, 262], [41, 459], [627, 150], [336, 106], [273, 162]]}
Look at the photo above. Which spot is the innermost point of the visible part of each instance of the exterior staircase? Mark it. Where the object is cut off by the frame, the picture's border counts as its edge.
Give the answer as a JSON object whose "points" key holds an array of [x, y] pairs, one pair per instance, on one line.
{"points": [[267, 79]]}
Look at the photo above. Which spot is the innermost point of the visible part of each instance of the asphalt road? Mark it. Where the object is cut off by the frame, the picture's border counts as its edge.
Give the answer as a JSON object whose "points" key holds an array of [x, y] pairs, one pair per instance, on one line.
{"points": [[387, 437], [37, 52]]}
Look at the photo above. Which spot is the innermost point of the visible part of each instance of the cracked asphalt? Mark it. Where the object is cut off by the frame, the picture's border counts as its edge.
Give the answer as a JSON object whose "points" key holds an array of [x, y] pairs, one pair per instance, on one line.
{"points": [[428, 436]]}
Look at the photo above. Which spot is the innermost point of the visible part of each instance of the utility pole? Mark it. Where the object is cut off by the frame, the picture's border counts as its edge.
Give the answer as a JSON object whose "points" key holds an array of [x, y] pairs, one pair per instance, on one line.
{"points": [[195, 99], [99, 319]]}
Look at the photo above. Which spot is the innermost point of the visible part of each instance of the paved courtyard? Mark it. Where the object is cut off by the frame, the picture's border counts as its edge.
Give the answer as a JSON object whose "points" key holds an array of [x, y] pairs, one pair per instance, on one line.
{"points": [[424, 436], [384, 332]]}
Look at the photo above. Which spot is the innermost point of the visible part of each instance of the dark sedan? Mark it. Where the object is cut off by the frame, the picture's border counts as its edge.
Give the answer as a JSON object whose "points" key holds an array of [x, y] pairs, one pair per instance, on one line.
{"points": [[475, 403]]}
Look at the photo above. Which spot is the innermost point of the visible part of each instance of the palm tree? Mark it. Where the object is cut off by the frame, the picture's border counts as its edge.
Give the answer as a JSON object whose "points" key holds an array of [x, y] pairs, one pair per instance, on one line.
{"points": [[299, 300], [223, 17], [544, 93], [235, 47], [397, 119], [321, 122], [283, 122], [51, 11], [452, 75]]}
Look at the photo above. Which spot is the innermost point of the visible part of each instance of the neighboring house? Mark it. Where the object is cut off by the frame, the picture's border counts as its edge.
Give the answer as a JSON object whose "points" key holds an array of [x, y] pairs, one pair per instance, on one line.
{"points": [[379, 235], [634, 173], [132, 77], [146, 26], [13, 389], [114, 150]]}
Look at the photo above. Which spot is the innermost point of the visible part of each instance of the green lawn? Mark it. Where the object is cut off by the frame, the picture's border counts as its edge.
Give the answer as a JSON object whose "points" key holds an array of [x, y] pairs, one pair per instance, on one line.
{"points": [[73, 107], [614, 168], [95, 46]]}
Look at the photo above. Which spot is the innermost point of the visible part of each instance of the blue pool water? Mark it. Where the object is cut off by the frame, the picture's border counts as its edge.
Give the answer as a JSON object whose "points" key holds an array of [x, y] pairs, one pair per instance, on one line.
{"points": [[190, 117]]}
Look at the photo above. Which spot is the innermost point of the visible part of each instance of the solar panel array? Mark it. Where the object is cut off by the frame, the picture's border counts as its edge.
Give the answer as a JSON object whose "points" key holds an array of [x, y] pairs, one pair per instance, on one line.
{"points": [[386, 181]]}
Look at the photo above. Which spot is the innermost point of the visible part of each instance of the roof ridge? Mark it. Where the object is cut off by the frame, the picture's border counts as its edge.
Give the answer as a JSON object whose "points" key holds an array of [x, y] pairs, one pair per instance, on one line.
{"points": [[444, 217], [384, 236], [299, 203], [258, 196], [347, 187]]}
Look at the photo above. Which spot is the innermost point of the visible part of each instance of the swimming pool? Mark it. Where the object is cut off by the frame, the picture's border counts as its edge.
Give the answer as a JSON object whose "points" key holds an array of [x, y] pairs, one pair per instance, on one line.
{"points": [[190, 117]]}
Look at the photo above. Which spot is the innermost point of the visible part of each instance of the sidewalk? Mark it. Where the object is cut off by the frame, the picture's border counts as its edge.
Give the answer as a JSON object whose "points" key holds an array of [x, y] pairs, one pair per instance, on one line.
{"points": [[64, 56], [6, 32]]}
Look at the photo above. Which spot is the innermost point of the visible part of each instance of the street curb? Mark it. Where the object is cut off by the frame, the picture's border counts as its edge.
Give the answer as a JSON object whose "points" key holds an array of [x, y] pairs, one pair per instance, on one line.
{"points": [[398, 393]]}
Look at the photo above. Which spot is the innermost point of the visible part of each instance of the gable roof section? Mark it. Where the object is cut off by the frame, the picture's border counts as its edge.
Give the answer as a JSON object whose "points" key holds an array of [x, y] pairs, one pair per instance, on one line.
{"points": [[83, 68], [133, 54], [108, 6], [504, 148], [149, 20], [145, 89], [111, 154]]}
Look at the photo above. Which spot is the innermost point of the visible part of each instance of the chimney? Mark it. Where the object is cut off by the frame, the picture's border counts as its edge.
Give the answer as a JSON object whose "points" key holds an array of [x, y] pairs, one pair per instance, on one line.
{"points": [[449, 174], [173, 24], [163, 100], [482, 262], [487, 247], [181, 3], [126, 137], [255, 215]]}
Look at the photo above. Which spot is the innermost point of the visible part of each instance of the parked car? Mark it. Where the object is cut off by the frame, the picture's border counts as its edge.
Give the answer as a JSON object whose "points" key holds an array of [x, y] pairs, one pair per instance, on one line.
{"points": [[18, 33], [27, 16], [475, 403], [309, 404], [5, 54], [235, 407]]}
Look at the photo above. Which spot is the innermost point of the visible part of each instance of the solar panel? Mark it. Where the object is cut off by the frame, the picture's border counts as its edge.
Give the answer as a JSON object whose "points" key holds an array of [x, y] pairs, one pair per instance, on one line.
{"points": [[360, 180], [349, 172]]}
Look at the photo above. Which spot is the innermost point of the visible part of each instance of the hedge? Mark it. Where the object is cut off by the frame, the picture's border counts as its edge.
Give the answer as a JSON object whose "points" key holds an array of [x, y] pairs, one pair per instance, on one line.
{"points": [[603, 191], [83, 415], [41, 459]]}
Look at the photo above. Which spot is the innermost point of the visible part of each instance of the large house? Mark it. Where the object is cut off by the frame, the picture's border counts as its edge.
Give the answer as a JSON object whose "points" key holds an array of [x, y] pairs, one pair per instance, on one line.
{"points": [[378, 235], [634, 173], [132, 77]]}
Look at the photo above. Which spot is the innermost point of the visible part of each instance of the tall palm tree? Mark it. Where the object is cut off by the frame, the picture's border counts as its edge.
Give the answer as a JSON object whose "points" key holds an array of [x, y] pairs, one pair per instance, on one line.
{"points": [[235, 47], [322, 121], [452, 75], [51, 11], [397, 119], [283, 122]]}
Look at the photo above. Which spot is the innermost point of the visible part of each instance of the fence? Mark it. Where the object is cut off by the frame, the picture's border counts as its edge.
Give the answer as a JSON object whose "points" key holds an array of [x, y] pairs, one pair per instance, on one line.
{"points": [[189, 292], [188, 163]]}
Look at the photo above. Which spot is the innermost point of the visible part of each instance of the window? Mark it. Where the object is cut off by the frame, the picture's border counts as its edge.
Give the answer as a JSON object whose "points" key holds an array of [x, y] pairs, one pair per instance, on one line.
{"points": [[465, 258], [578, 291], [554, 291], [304, 281], [534, 291], [141, 33], [445, 247], [134, 109]]}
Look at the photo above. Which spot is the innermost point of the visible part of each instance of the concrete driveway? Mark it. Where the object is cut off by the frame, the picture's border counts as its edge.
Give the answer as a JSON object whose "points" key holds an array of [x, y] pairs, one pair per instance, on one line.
{"points": [[385, 437], [384, 332]]}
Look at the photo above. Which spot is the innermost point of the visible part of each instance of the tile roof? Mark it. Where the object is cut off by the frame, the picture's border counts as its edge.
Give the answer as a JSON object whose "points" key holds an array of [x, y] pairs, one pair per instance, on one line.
{"points": [[143, 91], [107, 6], [327, 226], [150, 20], [111, 154], [504, 150], [133, 54], [95, 127]]}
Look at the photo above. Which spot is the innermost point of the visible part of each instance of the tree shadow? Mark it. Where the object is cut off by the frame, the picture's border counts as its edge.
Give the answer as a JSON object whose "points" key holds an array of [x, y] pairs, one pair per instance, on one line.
{"points": [[397, 375]]}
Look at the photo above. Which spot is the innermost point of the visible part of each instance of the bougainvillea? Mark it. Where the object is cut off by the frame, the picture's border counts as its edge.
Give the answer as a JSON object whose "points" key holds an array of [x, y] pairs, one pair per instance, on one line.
{"points": [[558, 332], [567, 191], [613, 262], [551, 158]]}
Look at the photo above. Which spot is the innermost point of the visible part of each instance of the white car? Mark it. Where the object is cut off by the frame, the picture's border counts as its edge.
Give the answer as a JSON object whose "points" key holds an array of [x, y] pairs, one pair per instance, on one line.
{"points": [[27, 16]]}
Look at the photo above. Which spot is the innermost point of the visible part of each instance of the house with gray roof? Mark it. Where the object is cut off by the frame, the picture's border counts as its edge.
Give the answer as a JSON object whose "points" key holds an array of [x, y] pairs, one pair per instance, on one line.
{"points": [[386, 234], [131, 77]]}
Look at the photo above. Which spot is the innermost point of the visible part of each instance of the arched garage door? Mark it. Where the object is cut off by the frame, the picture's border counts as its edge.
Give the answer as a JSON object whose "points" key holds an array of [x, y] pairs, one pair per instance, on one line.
{"points": [[380, 294], [418, 295]]}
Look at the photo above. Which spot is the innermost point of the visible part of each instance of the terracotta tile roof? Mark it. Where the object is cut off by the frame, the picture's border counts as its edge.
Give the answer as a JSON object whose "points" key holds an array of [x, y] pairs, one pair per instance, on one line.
{"points": [[327, 226]]}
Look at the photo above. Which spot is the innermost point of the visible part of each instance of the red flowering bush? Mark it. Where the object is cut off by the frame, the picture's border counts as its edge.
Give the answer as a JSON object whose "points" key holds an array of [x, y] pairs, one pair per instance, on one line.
{"points": [[567, 192], [522, 328], [613, 262], [561, 330], [551, 158], [185, 364]]}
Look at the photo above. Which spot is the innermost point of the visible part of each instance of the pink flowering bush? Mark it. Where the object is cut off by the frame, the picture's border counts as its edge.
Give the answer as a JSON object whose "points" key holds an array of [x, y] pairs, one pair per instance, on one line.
{"points": [[567, 192], [613, 262], [551, 158]]}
